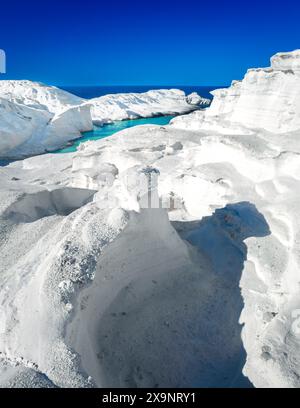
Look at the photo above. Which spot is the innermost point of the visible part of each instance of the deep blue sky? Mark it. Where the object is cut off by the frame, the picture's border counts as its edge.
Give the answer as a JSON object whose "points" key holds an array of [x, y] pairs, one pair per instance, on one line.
{"points": [[163, 42]]}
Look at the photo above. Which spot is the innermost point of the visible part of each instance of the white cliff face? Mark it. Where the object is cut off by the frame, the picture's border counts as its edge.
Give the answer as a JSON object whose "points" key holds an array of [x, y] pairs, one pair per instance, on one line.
{"points": [[267, 98], [36, 118], [39, 96], [262, 114], [122, 291], [56, 116], [152, 103], [18, 124], [286, 61]]}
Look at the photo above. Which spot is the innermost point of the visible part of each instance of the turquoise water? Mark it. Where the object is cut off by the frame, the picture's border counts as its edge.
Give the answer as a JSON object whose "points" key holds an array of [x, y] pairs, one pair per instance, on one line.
{"points": [[111, 128]]}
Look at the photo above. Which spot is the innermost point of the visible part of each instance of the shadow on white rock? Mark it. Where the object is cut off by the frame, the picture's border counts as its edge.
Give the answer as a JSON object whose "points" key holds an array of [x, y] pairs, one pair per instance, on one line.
{"points": [[62, 201], [164, 307]]}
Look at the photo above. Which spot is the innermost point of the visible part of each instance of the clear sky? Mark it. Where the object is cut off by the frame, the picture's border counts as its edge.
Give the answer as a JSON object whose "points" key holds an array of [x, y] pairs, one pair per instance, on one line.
{"points": [[114, 42]]}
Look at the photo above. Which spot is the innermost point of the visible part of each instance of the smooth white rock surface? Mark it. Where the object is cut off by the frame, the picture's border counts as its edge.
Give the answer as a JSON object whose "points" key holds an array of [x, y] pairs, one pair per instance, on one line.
{"points": [[267, 98], [35, 118], [97, 290], [152, 103], [51, 116]]}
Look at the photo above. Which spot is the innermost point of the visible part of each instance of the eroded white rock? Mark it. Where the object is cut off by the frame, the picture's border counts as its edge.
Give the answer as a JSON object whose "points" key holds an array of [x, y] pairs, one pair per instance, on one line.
{"points": [[52, 116], [124, 292]]}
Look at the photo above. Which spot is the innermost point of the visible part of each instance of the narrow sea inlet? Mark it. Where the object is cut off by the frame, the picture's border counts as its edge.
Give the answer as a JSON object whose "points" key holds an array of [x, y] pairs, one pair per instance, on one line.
{"points": [[111, 128]]}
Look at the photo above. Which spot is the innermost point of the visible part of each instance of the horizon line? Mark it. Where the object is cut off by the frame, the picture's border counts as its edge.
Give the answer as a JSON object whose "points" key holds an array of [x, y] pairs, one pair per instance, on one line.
{"points": [[141, 85], [113, 86]]}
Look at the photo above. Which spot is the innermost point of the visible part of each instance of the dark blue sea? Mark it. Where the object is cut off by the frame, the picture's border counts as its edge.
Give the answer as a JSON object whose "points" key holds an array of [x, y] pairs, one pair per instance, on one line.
{"points": [[94, 91]]}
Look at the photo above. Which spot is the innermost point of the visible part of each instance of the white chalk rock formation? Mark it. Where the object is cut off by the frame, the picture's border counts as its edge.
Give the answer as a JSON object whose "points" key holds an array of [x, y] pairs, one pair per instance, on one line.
{"points": [[18, 123], [152, 103], [286, 61], [45, 118], [55, 117], [161, 256], [38, 95], [267, 98]]}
